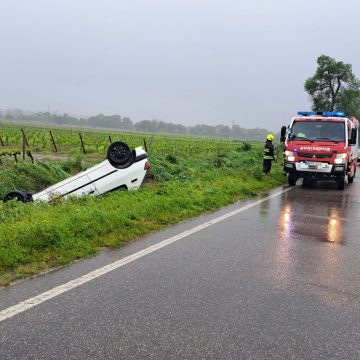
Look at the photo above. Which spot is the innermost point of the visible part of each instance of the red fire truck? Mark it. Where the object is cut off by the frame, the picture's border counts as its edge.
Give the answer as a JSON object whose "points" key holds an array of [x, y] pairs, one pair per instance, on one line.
{"points": [[320, 146]]}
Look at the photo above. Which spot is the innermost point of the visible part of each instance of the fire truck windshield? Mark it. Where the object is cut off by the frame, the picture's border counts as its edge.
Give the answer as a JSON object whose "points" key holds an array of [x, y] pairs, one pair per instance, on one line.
{"points": [[318, 130]]}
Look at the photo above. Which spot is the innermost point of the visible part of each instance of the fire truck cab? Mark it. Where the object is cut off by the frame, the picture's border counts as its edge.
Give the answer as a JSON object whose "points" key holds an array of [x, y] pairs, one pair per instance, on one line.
{"points": [[320, 146]]}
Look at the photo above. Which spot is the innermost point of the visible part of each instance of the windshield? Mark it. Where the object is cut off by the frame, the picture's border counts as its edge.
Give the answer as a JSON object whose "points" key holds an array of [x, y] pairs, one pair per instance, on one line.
{"points": [[318, 130]]}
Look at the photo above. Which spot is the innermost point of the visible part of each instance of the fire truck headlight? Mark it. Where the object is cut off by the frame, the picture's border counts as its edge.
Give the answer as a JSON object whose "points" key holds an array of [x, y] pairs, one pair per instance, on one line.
{"points": [[340, 159], [289, 156]]}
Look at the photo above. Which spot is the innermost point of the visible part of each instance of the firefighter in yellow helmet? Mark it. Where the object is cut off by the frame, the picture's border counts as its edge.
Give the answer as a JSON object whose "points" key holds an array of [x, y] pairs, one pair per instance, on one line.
{"points": [[268, 153]]}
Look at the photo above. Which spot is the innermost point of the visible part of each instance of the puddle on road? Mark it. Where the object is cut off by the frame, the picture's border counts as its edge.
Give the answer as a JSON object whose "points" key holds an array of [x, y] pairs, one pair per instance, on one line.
{"points": [[311, 215]]}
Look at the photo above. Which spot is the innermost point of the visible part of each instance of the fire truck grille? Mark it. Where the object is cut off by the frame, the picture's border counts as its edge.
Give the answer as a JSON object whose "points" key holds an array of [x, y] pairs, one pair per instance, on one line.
{"points": [[315, 156]]}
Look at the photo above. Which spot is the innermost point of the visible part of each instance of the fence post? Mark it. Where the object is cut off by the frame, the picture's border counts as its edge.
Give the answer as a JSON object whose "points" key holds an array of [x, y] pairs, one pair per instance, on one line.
{"points": [[145, 145], [53, 140], [24, 137], [82, 143], [23, 146], [29, 154], [1, 141], [110, 139]]}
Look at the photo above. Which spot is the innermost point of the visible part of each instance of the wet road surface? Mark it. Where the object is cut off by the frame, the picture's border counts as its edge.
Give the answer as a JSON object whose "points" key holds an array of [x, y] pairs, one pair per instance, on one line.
{"points": [[280, 280]]}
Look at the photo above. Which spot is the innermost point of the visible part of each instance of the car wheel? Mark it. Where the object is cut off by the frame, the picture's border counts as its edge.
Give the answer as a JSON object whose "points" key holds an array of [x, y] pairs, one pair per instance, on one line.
{"points": [[17, 195], [119, 153]]}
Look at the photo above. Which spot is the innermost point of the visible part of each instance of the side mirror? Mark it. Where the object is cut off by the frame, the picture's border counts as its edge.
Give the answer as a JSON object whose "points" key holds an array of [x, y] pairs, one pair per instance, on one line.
{"points": [[352, 140], [283, 134]]}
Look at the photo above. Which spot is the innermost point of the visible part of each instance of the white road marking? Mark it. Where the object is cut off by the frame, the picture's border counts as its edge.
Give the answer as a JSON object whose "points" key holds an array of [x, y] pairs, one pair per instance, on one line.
{"points": [[58, 290]]}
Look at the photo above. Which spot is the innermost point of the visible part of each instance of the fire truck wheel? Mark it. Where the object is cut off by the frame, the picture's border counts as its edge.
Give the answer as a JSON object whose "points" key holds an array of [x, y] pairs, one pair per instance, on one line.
{"points": [[341, 183], [292, 179], [351, 178], [119, 153], [17, 195]]}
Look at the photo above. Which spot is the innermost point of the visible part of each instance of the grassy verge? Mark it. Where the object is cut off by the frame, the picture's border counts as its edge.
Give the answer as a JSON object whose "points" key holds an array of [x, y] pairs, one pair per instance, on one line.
{"points": [[28, 177], [35, 237]]}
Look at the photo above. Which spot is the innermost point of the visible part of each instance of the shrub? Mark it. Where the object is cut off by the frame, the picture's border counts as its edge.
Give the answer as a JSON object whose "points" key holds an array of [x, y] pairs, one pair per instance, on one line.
{"points": [[73, 165], [171, 159], [246, 146]]}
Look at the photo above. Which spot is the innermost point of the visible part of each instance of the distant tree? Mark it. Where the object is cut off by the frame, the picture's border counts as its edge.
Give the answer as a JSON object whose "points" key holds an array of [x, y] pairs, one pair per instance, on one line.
{"points": [[106, 121], [222, 131], [202, 130], [8, 116], [334, 86], [127, 123], [146, 125]]}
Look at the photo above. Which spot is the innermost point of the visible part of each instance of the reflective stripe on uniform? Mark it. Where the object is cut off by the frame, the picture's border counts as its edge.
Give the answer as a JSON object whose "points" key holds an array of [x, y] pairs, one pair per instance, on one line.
{"points": [[268, 151], [268, 154]]}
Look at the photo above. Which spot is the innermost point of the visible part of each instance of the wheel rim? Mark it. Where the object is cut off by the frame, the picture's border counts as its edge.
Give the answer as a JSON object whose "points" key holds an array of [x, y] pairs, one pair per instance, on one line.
{"points": [[119, 152]]}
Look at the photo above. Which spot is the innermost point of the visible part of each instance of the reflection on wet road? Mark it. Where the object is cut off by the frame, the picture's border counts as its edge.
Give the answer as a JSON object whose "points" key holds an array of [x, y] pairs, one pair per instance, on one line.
{"points": [[319, 214], [317, 243]]}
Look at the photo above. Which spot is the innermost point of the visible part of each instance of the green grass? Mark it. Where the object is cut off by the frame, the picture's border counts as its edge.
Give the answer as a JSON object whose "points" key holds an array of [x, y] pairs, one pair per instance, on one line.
{"points": [[27, 176], [35, 237]]}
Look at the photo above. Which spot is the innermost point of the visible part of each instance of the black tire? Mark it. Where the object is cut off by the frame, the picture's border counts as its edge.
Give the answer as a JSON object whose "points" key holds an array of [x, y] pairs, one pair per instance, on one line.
{"points": [[351, 178], [119, 154], [292, 179], [341, 183], [17, 195]]}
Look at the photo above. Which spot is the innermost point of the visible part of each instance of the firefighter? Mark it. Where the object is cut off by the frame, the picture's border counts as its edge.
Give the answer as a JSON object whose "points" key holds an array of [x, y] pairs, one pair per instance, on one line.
{"points": [[268, 153]]}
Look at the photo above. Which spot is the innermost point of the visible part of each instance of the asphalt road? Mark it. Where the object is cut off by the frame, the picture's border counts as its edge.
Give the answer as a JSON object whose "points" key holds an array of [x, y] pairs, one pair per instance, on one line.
{"points": [[280, 280]]}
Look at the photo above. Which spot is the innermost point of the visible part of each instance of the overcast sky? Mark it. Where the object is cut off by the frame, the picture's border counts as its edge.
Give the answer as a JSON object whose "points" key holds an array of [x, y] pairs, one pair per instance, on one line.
{"points": [[180, 61]]}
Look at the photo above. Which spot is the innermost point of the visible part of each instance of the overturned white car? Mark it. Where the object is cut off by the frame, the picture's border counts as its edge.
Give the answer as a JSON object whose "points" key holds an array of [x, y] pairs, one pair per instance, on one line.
{"points": [[123, 169]]}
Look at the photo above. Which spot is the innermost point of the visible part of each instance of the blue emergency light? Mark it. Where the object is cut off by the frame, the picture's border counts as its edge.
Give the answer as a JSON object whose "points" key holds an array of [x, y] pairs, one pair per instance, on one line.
{"points": [[307, 113], [322, 113], [335, 113]]}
